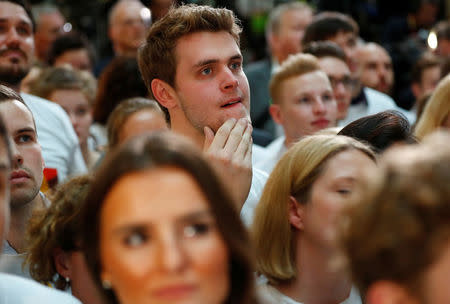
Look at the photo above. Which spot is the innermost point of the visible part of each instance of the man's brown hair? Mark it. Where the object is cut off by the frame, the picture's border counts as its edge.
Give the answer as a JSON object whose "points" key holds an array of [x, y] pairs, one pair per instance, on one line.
{"points": [[156, 56]]}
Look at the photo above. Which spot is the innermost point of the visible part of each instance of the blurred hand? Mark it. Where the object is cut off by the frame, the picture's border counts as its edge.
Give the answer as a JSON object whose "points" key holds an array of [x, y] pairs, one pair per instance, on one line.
{"points": [[230, 151]]}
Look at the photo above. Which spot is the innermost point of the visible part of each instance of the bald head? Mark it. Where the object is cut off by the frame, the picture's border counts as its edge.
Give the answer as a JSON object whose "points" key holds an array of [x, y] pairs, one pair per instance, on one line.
{"points": [[374, 67], [127, 25]]}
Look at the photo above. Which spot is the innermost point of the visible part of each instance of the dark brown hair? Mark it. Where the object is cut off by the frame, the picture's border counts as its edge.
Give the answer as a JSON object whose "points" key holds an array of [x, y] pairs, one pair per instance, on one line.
{"points": [[157, 150], [119, 80], [325, 48], [380, 130], [157, 55], [426, 61], [327, 25]]}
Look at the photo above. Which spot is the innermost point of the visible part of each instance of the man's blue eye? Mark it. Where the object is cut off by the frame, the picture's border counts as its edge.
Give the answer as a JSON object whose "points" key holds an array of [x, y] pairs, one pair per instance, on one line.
{"points": [[206, 71]]}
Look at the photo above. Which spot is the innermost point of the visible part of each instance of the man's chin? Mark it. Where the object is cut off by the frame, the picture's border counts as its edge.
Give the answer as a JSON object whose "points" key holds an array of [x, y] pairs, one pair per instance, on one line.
{"points": [[13, 75]]}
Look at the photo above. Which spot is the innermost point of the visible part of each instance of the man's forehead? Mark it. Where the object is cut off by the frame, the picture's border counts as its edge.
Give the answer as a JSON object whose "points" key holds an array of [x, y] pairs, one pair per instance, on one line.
{"points": [[12, 11], [13, 110], [209, 49]]}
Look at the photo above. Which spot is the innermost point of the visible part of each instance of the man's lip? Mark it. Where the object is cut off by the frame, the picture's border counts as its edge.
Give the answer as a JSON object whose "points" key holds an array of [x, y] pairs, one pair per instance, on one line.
{"points": [[12, 53], [19, 174], [231, 101]]}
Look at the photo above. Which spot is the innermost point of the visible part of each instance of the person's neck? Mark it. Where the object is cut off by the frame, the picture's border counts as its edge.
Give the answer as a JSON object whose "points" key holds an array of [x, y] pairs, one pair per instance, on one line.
{"points": [[124, 52], [190, 132], [20, 217], [316, 274], [85, 152]]}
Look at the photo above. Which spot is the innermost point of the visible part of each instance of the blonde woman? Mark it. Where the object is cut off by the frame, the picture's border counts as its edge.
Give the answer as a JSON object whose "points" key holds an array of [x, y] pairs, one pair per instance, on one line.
{"points": [[436, 112], [294, 228]]}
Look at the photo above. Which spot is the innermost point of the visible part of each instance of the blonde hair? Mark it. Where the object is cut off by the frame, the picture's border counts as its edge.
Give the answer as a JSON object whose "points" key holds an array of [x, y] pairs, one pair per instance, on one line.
{"points": [[436, 110], [294, 65], [293, 175]]}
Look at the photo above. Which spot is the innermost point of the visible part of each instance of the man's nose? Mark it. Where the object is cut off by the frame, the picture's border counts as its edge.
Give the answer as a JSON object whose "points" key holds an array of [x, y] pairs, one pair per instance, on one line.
{"points": [[229, 80]]}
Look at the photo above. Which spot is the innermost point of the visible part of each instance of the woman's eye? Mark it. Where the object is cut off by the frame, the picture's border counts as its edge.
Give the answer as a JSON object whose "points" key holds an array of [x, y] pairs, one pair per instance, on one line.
{"points": [[344, 191], [81, 112], [196, 229], [24, 138], [135, 239]]}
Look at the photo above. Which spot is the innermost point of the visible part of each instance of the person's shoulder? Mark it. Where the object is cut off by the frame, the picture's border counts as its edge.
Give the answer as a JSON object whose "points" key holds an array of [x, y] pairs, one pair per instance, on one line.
{"points": [[12, 291], [378, 97], [41, 105]]}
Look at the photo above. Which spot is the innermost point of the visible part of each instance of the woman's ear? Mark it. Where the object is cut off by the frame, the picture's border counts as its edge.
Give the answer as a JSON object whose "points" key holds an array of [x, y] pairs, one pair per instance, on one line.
{"points": [[296, 213], [62, 262], [164, 93]]}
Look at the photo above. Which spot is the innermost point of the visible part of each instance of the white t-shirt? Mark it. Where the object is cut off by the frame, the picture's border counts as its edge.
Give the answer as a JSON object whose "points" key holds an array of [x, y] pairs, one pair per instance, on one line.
{"points": [[274, 152], [17, 290], [259, 180]]}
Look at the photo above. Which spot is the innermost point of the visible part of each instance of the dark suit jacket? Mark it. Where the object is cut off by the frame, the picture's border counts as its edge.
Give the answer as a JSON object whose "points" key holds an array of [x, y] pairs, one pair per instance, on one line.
{"points": [[258, 74]]}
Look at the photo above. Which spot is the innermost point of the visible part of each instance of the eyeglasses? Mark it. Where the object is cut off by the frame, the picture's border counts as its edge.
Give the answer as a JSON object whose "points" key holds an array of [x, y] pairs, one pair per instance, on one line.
{"points": [[346, 81]]}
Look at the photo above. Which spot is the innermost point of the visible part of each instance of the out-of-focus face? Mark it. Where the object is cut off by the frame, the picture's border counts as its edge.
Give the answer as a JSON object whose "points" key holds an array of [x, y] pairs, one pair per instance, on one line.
{"points": [[127, 29], [347, 41], [375, 68], [291, 31], [306, 105], [82, 285], [77, 106], [5, 169], [27, 164], [16, 43], [210, 84], [434, 290], [341, 82], [430, 80], [141, 122], [78, 59], [50, 26], [443, 48], [340, 179], [163, 245]]}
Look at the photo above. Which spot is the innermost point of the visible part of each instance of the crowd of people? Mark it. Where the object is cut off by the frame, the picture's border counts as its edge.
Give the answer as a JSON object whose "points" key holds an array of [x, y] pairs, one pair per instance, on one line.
{"points": [[175, 173]]}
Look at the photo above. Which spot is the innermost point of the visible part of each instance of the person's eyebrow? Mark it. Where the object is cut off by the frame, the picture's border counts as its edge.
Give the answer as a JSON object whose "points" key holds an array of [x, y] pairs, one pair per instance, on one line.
{"points": [[214, 60], [26, 130], [201, 214], [141, 226]]}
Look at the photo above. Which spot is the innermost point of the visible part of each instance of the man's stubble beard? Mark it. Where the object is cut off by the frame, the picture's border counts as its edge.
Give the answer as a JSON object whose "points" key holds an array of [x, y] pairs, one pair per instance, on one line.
{"points": [[13, 75]]}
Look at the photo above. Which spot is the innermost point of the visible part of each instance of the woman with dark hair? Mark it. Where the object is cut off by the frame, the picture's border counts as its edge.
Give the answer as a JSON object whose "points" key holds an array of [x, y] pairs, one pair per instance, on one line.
{"points": [[160, 228], [381, 130], [120, 80]]}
